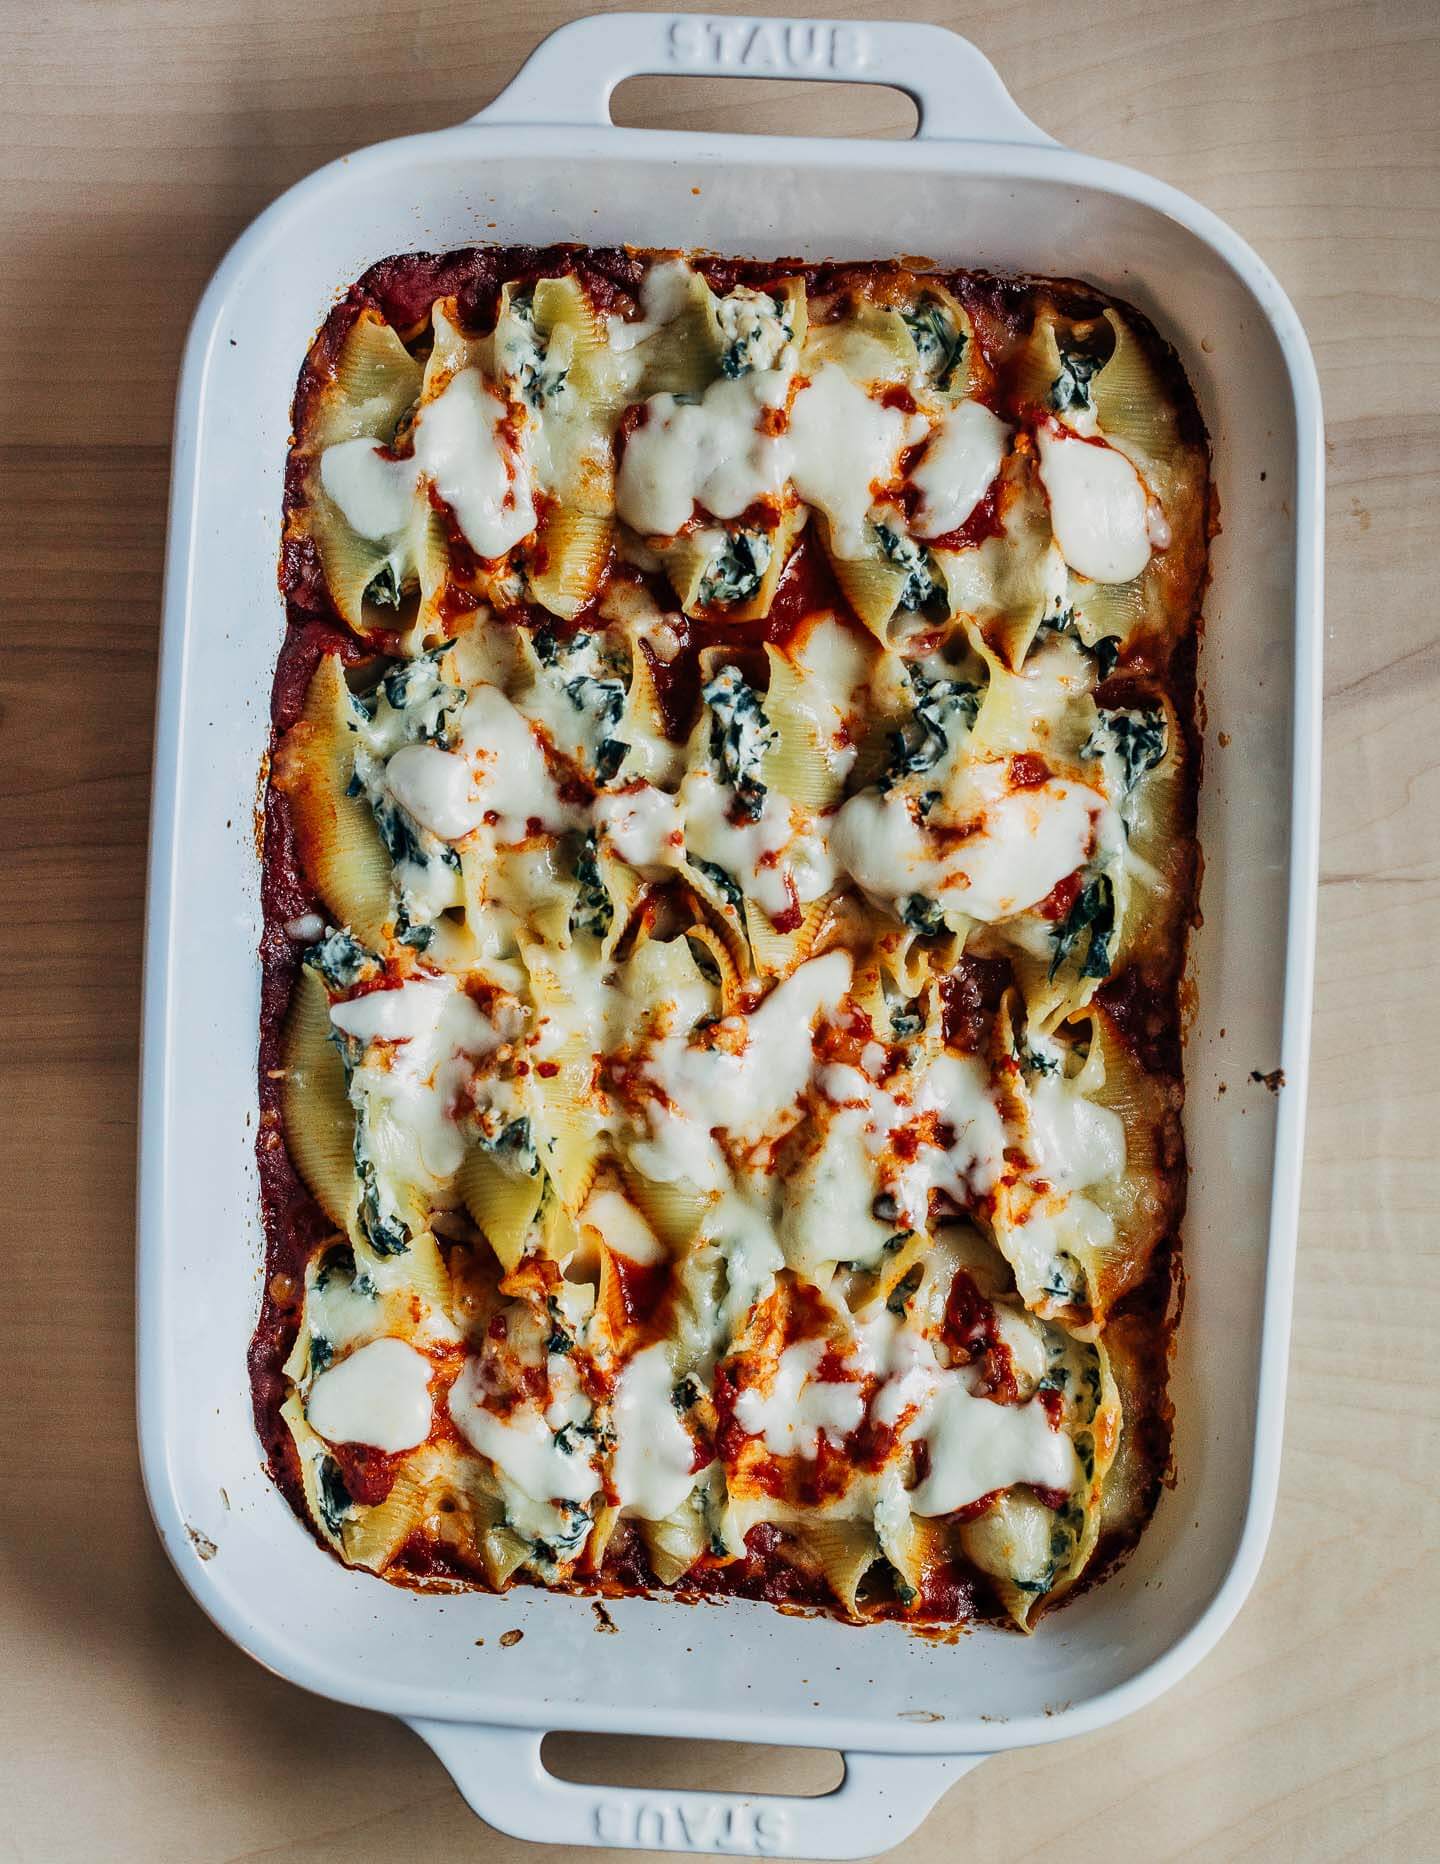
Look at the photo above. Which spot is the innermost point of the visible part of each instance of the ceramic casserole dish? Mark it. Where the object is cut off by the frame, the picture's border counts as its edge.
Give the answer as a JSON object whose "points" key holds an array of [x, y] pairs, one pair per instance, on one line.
{"points": [[978, 186]]}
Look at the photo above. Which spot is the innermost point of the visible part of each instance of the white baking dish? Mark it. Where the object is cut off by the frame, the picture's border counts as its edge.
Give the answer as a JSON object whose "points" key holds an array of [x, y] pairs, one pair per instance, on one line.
{"points": [[979, 186]]}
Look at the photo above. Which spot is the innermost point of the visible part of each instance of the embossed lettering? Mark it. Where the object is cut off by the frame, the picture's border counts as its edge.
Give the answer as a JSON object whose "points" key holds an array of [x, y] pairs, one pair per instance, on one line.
{"points": [[763, 50], [687, 40], [652, 1829], [614, 1819], [767, 45], [772, 1829], [702, 1824], [806, 46]]}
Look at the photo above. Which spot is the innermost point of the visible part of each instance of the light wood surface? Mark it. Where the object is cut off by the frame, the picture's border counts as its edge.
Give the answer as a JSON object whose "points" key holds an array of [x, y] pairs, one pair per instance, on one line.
{"points": [[139, 137]]}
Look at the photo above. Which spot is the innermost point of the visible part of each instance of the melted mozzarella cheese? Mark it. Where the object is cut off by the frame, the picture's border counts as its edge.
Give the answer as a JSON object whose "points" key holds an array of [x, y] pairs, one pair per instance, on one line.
{"points": [[957, 1088], [651, 1468], [523, 1443], [798, 1408], [751, 1253], [745, 1092], [827, 1201], [954, 1087], [711, 453], [462, 446], [512, 777], [421, 1042], [376, 494], [768, 856], [644, 826], [879, 844], [436, 788], [378, 1395], [1074, 1142], [958, 467], [664, 293], [1099, 507], [976, 1446], [620, 1226], [842, 448], [1019, 844]]}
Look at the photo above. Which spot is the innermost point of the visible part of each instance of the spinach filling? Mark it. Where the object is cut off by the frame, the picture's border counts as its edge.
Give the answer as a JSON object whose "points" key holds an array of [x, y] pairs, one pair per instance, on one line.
{"points": [[526, 358], [1104, 652], [1136, 738], [331, 1495], [740, 735], [724, 884], [939, 343], [514, 1146], [1091, 918], [755, 329], [925, 737], [385, 589], [921, 585], [922, 914], [593, 911], [341, 960], [412, 704], [1070, 391], [590, 681], [738, 569]]}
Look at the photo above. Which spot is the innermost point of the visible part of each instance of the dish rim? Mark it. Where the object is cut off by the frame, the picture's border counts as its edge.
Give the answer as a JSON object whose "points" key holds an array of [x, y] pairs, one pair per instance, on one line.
{"points": [[965, 160]]}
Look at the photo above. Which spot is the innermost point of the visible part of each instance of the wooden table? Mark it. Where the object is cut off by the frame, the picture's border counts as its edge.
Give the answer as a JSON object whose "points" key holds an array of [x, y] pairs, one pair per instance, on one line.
{"points": [[139, 138]]}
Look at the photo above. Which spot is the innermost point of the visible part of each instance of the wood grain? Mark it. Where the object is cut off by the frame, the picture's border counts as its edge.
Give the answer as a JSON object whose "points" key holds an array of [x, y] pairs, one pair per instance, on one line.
{"points": [[139, 136]]}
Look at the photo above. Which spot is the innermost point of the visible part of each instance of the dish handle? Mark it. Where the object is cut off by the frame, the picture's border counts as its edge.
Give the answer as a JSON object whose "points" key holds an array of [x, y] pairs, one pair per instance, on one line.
{"points": [[501, 1776], [570, 76]]}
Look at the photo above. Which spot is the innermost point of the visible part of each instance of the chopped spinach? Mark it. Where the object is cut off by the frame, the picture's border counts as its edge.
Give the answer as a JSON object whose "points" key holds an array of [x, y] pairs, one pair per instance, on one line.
{"points": [[685, 1394], [921, 584], [906, 1020], [426, 704], [525, 358], [590, 681], [417, 936], [1104, 652], [567, 1543], [899, 1297], [514, 1145], [1137, 738], [384, 588], [338, 1264], [740, 735], [1065, 1278], [939, 343], [600, 1436], [1071, 388], [1033, 1063], [386, 1231], [737, 569], [755, 330], [925, 737], [1091, 917], [922, 914], [593, 911], [340, 959], [331, 1495], [723, 883], [894, 1244]]}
